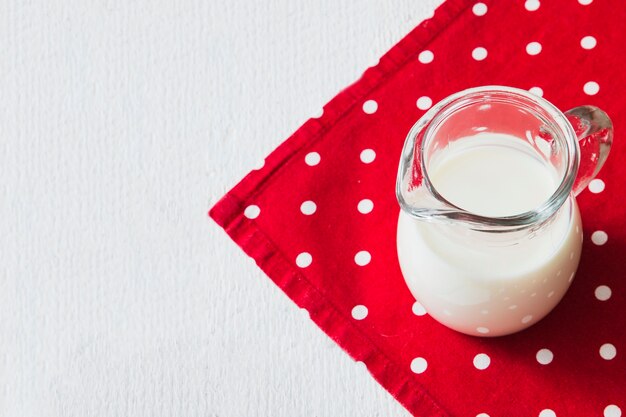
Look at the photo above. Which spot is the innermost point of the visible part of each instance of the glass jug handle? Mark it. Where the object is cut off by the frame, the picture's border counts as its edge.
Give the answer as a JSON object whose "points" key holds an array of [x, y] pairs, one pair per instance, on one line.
{"points": [[594, 130]]}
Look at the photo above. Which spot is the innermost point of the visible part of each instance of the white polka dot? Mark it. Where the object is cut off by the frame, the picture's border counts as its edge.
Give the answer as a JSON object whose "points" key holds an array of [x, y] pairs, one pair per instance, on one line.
{"points": [[479, 9], [512, 307], [547, 413], [599, 237], [419, 365], [479, 53], [484, 311], [608, 351], [482, 415], [365, 206], [612, 411], [603, 293], [588, 42], [426, 57], [252, 211], [482, 361], [571, 276], [362, 258], [482, 330], [312, 158], [527, 319], [550, 294], [308, 207], [591, 88], [596, 186], [304, 259], [585, 2], [368, 156], [536, 91], [533, 48], [359, 312], [370, 107], [319, 113], [571, 255], [532, 5], [418, 309], [424, 103], [545, 356]]}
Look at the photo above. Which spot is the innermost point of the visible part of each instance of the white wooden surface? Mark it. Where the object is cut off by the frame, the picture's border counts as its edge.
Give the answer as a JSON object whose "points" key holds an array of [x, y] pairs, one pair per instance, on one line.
{"points": [[121, 123]]}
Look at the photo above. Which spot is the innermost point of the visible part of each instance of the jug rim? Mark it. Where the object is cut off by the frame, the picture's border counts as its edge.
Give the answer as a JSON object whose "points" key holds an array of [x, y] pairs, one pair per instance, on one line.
{"points": [[444, 210]]}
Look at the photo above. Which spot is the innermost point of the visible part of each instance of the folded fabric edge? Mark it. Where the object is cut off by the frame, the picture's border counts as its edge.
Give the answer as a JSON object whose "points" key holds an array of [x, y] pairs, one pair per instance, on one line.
{"points": [[396, 380]]}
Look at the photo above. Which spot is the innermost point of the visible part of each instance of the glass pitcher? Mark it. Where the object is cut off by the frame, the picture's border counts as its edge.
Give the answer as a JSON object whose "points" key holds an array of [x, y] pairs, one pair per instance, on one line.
{"points": [[489, 236]]}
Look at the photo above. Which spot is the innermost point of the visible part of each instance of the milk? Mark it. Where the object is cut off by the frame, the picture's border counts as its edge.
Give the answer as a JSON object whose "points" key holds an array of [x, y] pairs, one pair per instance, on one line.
{"points": [[484, 284]]}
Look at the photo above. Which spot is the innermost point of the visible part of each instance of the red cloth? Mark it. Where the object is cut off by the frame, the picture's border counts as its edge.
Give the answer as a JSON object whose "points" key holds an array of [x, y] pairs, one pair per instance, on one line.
{"points": [[578, 381]]}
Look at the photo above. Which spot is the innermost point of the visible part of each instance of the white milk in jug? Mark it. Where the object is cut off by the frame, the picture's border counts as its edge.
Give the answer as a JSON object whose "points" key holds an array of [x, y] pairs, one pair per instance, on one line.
{"points": [[490, 287]]}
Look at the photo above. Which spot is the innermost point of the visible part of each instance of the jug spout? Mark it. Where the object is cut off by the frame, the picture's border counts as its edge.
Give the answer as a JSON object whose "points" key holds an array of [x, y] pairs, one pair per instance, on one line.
{"points": [[421, 202], [415, 192]]}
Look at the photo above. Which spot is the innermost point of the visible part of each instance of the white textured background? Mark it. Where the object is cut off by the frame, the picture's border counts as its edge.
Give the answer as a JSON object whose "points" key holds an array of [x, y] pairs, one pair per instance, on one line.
{"points": [[121, 123]]}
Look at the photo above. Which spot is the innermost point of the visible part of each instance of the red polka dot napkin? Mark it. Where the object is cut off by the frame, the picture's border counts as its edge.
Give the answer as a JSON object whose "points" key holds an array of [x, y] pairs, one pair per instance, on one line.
{"points": [[320, 216]]}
